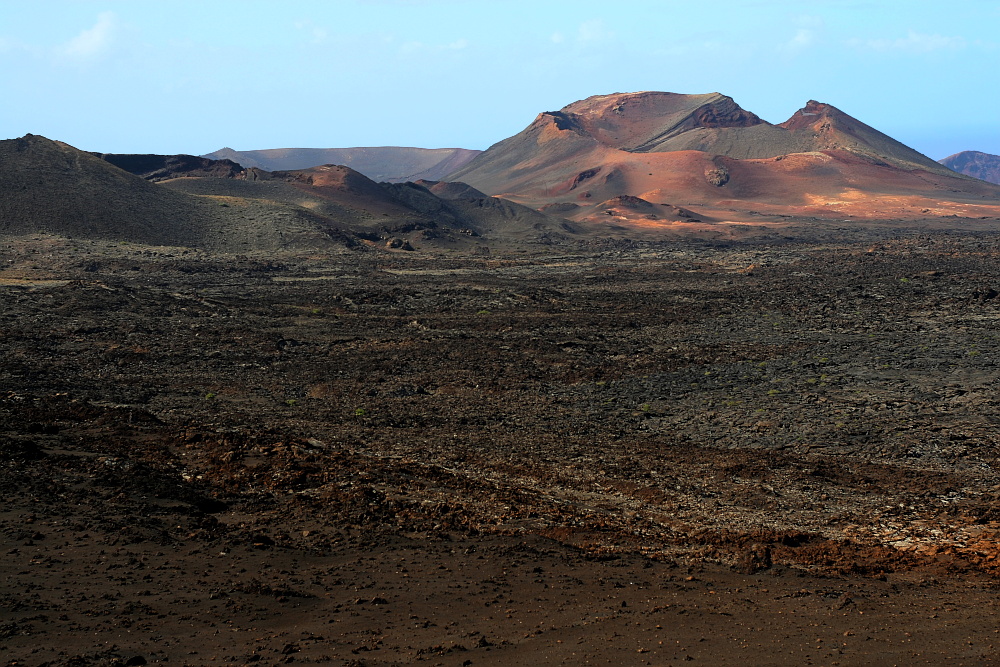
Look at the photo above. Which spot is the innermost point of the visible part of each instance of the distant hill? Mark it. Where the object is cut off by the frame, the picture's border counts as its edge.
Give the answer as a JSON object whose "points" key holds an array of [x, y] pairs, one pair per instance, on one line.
{"points": [[392, 164], [983, 166], [51, 187], [702, 157]]}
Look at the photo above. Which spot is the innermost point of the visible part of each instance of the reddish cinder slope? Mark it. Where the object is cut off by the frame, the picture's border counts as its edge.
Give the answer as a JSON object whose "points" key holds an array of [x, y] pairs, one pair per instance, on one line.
{"points": [[829, 128], [705, 153]]}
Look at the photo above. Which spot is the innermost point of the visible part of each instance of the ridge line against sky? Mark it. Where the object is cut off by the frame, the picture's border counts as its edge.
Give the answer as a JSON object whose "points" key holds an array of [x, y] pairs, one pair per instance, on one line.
{"points": [[192, 77]]}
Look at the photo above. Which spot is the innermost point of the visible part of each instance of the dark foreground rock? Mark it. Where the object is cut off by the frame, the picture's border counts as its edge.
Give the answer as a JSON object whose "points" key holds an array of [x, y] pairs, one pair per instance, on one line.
{"points": [[649, 455]]}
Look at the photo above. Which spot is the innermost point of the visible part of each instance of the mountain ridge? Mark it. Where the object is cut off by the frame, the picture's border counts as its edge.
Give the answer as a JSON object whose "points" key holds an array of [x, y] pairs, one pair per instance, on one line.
{"points": [[705, 153], [182, 200], [393, 164]]}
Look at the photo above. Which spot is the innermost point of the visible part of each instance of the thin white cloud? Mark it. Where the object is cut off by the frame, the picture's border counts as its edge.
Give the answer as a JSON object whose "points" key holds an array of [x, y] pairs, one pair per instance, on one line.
{"points": [[809, 32], [92, 41], [914, 42], [593, 31], [803, 39]]}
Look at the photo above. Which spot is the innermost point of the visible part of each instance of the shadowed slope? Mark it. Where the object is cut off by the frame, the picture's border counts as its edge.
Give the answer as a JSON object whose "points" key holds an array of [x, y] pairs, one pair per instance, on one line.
{"points": [[163, 167], [451, 189], [49, 186], [380, 210]]}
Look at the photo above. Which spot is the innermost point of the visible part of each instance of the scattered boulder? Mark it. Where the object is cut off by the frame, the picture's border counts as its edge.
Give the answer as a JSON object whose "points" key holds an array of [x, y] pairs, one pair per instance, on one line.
{"points": [[718, 176], [396, 243], [755, 558]]}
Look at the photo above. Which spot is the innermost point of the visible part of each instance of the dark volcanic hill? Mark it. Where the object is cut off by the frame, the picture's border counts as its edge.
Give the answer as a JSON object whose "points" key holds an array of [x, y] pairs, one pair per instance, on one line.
{"points": [[973, 163], [164, 167], [451, 189], [394, 164], [707, 153], [51, 187]]}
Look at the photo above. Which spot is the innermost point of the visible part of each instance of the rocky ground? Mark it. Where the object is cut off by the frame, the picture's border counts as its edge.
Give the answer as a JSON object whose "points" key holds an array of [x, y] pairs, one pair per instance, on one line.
{"points": [[773, 452]]}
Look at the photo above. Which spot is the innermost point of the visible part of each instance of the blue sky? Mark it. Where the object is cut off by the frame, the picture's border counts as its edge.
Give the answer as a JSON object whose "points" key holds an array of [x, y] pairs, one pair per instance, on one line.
{"points": [[192, 77]]}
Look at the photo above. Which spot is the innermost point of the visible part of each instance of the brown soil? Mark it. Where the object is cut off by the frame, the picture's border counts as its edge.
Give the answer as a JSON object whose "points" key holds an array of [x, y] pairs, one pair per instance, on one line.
{"points": [[777, 453]]}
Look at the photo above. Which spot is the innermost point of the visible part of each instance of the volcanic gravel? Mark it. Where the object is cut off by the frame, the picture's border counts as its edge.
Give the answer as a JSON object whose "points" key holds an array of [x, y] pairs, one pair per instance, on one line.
{"points": [[778, 452]]}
